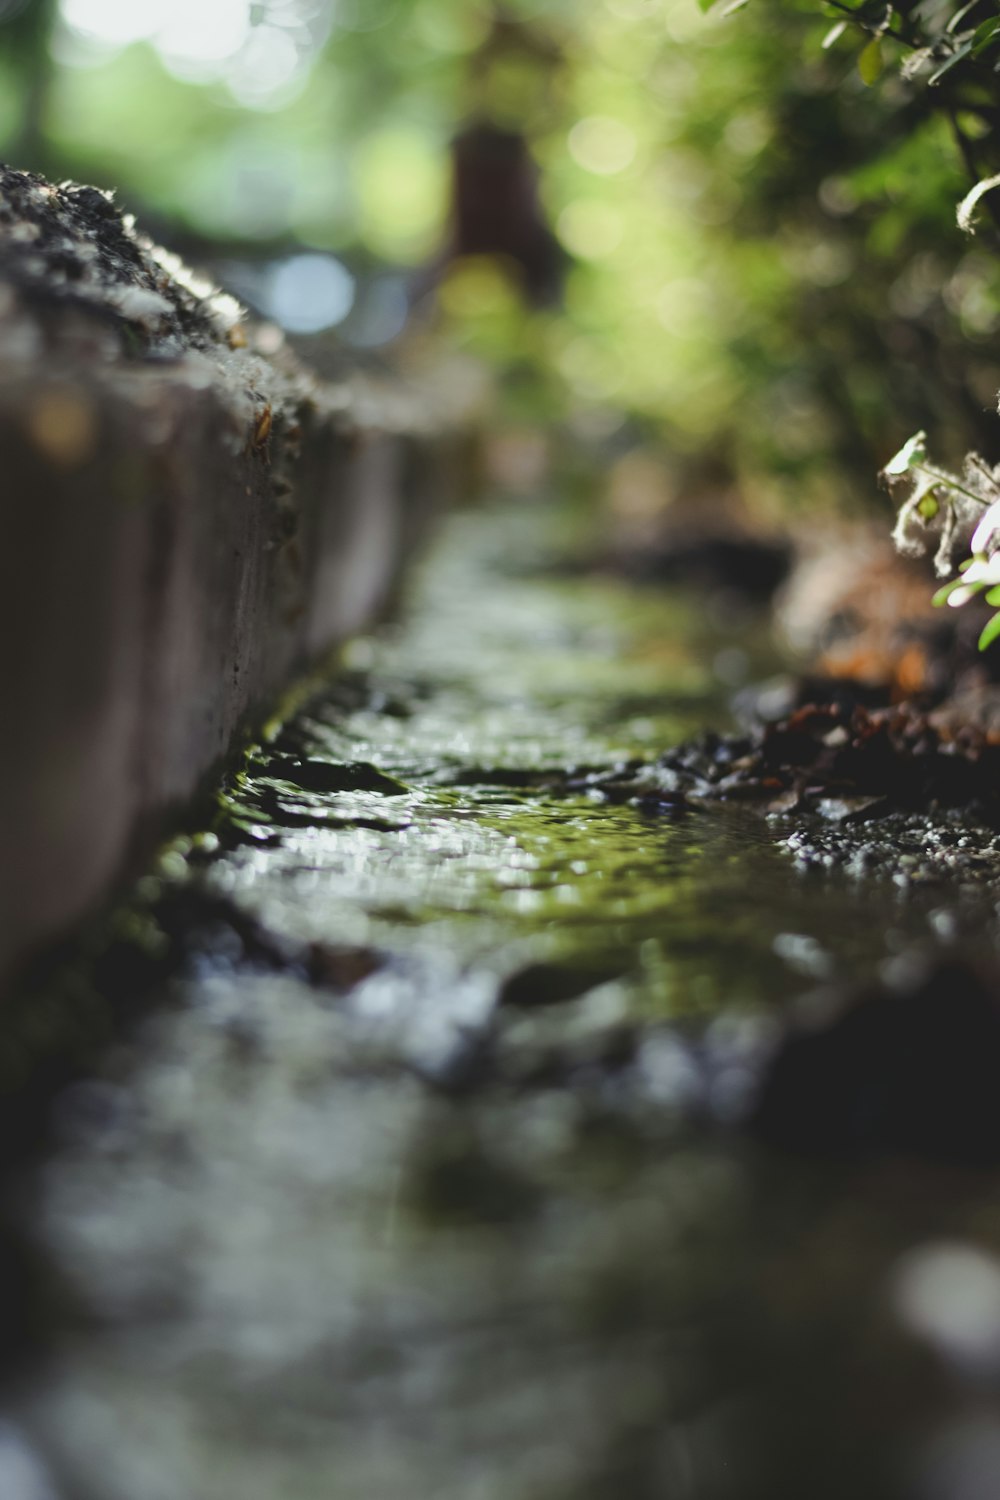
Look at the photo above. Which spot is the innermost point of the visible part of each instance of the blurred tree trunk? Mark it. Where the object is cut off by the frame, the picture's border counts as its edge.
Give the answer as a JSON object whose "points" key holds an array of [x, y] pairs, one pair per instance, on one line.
{"points": [[496, 209], [25, 39]]}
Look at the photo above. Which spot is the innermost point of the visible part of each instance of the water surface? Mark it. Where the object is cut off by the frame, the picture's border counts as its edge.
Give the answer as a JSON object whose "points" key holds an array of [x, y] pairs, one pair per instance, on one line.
{"points": [[425, 1176]]}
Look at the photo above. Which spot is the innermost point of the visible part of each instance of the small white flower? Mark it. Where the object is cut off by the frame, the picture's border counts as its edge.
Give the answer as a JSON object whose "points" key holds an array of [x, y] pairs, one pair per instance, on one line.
{"points": [[986, 532], [981, 571]]}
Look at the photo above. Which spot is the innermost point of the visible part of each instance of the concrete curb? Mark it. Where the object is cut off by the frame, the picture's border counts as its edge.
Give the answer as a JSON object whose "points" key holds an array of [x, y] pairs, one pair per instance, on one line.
{"points": [[159, 587], [188, 519]]}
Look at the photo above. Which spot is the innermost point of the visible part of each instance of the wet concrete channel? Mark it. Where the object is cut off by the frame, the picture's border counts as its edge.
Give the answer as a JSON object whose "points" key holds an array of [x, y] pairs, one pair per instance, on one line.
{"points": [[421, 1173]]}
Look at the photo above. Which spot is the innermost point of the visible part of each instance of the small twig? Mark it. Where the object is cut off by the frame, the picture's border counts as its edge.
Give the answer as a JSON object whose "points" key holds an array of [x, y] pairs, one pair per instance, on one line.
{"points": [[971, 165], [870, 26], [941, 476]]}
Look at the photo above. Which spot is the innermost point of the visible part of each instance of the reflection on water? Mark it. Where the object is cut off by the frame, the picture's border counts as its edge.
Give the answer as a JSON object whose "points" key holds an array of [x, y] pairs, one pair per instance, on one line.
{"points": [[423, 1180]]}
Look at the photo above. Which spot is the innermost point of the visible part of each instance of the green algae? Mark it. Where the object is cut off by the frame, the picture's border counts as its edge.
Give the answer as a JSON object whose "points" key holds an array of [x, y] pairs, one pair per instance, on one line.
{"points": [[483, 715]]}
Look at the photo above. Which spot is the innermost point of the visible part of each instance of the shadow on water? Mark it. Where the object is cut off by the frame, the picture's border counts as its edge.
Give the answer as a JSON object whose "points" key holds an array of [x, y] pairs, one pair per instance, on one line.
{"points": [[422, 1176]]}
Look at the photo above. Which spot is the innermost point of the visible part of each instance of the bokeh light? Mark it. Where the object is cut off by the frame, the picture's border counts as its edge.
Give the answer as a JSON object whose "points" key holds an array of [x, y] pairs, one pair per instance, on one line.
{"points": [[309, 292], [258, 49], [602, 145]]}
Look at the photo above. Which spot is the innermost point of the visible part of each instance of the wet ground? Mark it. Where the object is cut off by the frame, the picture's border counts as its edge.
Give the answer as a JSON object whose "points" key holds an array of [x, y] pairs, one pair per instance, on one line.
{"points": [[417, 1162]]}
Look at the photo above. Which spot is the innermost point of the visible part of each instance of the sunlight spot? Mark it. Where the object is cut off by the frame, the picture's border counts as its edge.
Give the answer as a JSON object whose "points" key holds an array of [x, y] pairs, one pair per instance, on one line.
{"points": [[589, 370], [680, 305], [383, 314], [478, 287], [22, 1476], [803, 954], [309, 292], [748, 133], [200, 42], [602, 145], [268, 63], [949, 1294], [589, 229], [116, 23], [837, 196], [194, 33], [400, 179]]}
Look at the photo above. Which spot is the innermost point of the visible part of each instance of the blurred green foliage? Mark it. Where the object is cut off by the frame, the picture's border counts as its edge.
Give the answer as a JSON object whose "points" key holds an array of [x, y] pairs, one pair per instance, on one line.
{"points": [[759, 207]]}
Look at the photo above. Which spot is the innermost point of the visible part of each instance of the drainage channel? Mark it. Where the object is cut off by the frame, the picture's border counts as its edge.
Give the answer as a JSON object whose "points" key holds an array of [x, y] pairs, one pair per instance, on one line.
{"points": [[422, 1175]]}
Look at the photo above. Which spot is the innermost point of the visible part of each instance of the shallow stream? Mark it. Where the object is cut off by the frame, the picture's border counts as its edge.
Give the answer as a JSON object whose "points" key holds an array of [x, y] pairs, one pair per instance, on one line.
{"points": [[425, 1176]]}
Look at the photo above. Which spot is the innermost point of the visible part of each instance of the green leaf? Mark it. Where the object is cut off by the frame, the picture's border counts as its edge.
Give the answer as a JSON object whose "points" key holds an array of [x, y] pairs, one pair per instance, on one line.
{"points": [[960, 16], [990, 632], [943, 594], [956, 57], [912, 452], [992, 596], [871, 62], [985, 35]]}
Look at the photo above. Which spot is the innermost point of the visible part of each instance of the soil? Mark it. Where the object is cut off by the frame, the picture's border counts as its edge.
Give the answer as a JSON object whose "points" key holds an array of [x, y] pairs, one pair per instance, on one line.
{"points": [[69, 247]]}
